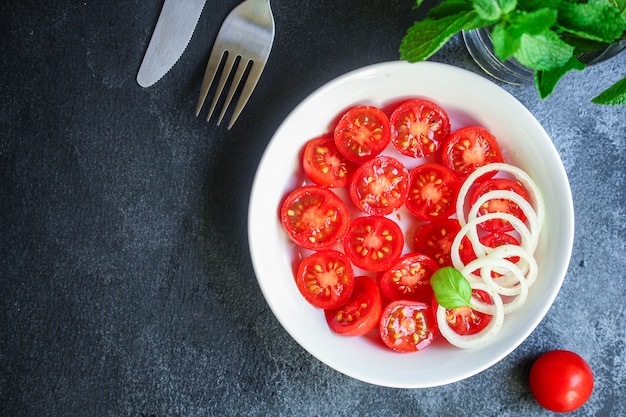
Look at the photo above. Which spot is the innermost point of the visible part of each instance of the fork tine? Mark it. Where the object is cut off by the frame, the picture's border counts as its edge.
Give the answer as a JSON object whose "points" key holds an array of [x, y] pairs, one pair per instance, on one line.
{"points": [[228, 66], [209, 75], [246, 92], [241, 68]]}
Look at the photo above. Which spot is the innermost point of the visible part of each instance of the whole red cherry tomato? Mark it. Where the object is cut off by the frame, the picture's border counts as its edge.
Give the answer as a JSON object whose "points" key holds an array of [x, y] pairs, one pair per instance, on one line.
{"points": [[561, 381]]}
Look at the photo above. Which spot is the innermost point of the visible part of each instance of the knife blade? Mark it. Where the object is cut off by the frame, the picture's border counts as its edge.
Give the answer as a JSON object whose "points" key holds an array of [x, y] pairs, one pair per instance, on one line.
{"points": [[170, 38]]}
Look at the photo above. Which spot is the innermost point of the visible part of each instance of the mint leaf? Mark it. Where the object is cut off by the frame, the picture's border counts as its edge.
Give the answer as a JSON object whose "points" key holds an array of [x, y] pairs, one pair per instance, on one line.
{"points": [[620, 5], [614, 95], [505, 41], [547, 80], [599, 22], [493, 9], [426, 37], [507, 35], [487, 9], [544, 51], [451, 288], [507, 6], [449, 8]]}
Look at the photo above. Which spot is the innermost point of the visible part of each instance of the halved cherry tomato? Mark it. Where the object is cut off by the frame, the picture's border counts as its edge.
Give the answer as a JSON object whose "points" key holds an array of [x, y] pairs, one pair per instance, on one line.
{"points": [[433, 190], [362, 133], [373, 243], [469, 148], [407, 326], [314, 217], [324, 164], [325, 279], [409, 278], [561, 381], [380, 186], [435, 240], [418, 126], [465, 320], [361, 313], [499, 205]]}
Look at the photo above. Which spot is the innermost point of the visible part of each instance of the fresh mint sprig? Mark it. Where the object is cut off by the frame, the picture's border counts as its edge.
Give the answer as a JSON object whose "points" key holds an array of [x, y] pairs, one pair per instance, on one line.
{"points": [[546, 36]]}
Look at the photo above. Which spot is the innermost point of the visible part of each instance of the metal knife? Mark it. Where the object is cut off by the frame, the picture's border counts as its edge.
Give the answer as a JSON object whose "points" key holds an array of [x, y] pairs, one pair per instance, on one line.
{"points": [[172, 33]]}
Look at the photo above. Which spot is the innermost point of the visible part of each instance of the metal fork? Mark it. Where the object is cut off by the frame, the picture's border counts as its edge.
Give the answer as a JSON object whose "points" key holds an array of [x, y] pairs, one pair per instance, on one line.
{"points": [[246, 38]]}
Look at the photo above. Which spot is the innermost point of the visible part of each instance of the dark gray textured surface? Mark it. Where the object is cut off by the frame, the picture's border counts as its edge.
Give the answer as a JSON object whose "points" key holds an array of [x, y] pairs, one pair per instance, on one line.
{"points": [[126, 287]]}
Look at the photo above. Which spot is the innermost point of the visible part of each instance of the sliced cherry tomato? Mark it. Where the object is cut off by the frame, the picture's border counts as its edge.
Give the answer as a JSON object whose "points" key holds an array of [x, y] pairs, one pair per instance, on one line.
{"points": [[380, 186], [435, 240], [433, 190], [409, 278], [465, 320], [499, 205], [373, 243], [314, 217], [418, 126], [362, 133], [361, 313], [326, 279], [561, 381], [469, 148], [324, 164], [407, 326]]}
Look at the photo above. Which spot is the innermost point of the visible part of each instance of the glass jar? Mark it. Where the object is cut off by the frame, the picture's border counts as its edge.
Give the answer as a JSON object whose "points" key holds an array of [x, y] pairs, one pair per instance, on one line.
{"points": [[480, 47]]}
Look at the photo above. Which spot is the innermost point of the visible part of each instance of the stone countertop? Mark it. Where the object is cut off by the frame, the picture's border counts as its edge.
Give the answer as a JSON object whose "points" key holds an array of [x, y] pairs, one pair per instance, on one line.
{"points": [[125, 279]]}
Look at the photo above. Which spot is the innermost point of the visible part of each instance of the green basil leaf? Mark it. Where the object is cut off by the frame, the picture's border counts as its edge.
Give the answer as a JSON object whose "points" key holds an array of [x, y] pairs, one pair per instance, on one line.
{"points": [[614, 95], [451, 288]]}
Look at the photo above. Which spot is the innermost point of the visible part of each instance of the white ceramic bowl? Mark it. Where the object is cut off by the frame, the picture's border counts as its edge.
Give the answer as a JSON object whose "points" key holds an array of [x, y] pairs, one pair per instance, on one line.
{"points": [[469, 99]]}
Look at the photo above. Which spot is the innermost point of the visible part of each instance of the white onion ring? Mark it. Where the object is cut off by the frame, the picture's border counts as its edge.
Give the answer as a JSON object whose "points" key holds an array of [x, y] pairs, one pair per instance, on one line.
{"points": [[480, 249], [529, 267], [519, 292], [523, 177], [517, 277], [529, 212], [478, 339]]}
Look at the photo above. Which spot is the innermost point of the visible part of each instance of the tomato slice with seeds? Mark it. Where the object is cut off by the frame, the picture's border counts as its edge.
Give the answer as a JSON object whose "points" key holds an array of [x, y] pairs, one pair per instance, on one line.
{"points": [[465, 320], [433, 190], [373, 243], [435, 240], [361, 313], [499, 205], [407, 326], [324, 164], [409, 278], [314, 217], [326, 279], [469, 148], [418, 126], [493, 240], [380, 186], [362, 133]]}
